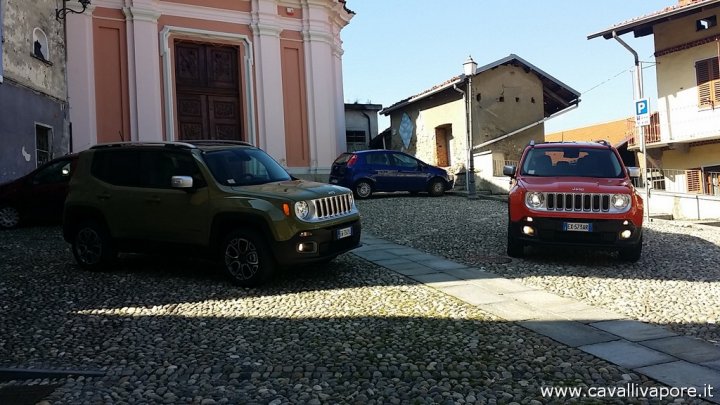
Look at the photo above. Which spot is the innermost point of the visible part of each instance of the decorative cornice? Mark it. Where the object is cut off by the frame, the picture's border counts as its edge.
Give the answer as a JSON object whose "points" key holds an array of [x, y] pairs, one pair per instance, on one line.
{"points": [[266, 30], [141, 14], [688, 45], [318, 36]]}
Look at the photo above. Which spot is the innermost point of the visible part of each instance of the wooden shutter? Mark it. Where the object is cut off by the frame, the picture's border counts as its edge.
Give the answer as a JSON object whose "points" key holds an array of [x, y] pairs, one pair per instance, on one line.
{"points": [[694, 181], [708, 82]]}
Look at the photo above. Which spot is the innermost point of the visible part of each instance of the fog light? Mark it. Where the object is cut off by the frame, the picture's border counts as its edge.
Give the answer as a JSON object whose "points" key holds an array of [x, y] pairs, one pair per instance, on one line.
{"points": [[305, 234], [529, 219], [528, 230], [307, 247], [626, 234], [626, 222]]}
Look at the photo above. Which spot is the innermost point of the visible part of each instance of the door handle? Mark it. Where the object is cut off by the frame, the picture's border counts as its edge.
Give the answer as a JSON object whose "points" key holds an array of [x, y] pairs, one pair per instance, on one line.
{"points": [[153, 199], [103, 196]]}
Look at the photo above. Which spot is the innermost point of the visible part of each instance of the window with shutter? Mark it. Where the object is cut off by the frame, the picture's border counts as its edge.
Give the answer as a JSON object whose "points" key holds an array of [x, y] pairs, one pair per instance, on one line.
{"points": [[694, 181], [707, 72]]}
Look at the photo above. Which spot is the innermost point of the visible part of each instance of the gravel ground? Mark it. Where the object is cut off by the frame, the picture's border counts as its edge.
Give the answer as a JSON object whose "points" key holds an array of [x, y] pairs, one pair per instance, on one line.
{"points": [[675, 284], [175, 332]]}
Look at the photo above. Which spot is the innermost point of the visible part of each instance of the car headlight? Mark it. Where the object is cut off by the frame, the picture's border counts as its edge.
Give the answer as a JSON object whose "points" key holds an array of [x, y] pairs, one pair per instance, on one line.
{"points": [[534, 199], [302, 210], [620, 201]]}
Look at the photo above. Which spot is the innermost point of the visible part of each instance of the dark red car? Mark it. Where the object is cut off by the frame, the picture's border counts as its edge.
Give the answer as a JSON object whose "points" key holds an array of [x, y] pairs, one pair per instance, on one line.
{"points": [[38, 196]]}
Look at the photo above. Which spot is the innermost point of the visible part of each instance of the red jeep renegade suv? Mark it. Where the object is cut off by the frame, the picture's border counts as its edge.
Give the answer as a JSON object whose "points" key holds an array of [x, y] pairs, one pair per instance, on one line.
{"points": [[576, 194]]}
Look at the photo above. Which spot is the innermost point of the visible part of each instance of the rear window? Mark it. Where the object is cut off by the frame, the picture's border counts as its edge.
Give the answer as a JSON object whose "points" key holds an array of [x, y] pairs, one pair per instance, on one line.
{"points": [[572, 162], [342, 159]]}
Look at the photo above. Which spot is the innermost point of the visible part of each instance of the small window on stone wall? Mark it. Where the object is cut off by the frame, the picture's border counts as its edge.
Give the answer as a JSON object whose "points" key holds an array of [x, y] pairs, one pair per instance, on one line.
{"points": [[40, 45]]}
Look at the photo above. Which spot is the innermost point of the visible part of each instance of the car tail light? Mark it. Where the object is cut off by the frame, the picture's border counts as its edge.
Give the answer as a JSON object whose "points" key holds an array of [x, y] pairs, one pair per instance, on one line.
{"points": [[351, 161]]}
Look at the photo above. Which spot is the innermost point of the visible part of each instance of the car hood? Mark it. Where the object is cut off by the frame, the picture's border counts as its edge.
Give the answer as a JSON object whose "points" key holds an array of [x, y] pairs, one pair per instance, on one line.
{"points": [[575, 185], [296, 190]]}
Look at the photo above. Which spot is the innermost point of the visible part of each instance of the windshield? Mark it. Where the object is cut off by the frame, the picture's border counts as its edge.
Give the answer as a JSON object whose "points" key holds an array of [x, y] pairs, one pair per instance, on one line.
{"points": [[243, 167], [572, 161]]}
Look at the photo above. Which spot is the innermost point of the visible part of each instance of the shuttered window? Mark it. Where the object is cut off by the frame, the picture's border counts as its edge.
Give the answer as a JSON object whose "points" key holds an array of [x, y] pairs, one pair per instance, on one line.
{"points": [[708, 82], [694, 180]]}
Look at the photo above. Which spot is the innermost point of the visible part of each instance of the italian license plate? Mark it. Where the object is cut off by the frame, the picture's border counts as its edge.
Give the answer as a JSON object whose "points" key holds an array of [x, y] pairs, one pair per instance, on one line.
{"points": [[344, 232], [577, 227]]}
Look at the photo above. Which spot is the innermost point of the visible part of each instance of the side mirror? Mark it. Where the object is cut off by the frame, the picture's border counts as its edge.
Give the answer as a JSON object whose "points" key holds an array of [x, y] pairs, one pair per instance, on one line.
{"points": [[509, 170], [185, 182], [634, 171]]}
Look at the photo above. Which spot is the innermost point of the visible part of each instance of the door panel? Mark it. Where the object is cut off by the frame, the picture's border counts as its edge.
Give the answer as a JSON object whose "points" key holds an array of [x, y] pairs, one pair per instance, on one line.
{"points": [[208, 102]]}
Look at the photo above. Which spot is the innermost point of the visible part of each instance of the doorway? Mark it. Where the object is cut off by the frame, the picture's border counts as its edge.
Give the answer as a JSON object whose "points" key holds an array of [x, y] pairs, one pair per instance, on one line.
{"points": [[208, 92], [443, 134]]}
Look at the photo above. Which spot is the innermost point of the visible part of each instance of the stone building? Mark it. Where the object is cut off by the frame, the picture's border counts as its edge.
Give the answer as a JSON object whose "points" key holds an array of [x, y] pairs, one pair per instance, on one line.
{"points": [[505, 103], [32, 86]]}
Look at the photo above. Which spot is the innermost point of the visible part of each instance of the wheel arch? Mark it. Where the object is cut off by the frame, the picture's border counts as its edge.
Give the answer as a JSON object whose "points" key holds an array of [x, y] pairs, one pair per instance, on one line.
{"points": [[74, 216], [225, 223]]}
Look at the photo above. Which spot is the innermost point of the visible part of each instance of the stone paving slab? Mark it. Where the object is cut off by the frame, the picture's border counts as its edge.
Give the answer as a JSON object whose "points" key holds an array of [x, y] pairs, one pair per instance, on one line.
{"points": [[571, 333], [592, 315], [442, 264], [404, 251], [502, 285], [390, 262], [374, 255], [634, 331], [472, 294], [412, 270], [685, 348], [514, 311], [434, 278], [627, 354], [470, 273], [684, 374], [539, 298]]}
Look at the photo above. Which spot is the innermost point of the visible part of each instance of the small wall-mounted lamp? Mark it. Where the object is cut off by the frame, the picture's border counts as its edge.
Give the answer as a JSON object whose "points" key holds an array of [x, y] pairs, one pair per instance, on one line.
{"points": [[290, 11], [62, 12]]}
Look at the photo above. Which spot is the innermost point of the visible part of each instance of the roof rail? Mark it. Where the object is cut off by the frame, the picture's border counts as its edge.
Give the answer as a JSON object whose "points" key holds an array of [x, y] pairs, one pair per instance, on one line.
{"points": [[182, 145], [210, 142]]}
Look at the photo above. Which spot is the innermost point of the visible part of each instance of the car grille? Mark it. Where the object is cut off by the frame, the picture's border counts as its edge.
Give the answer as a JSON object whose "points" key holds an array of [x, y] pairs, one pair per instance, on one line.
{"points": [[583, 202], [334, 206]]}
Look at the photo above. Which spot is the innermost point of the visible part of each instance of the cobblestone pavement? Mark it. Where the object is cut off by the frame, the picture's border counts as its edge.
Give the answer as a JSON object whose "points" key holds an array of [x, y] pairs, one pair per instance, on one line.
{"points": [[175, 331]]}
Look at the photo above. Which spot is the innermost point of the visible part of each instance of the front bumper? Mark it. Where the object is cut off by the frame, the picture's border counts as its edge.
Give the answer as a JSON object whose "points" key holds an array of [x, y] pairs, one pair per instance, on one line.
{"points": [[605, 233], [317, 245]]}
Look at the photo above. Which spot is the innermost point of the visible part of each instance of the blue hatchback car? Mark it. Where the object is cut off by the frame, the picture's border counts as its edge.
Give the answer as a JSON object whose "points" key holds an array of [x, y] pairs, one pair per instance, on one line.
{"points": [[369, 171]]}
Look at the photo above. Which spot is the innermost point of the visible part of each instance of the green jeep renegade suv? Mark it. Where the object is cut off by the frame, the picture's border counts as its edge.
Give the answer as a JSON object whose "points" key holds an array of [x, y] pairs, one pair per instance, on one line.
{"points": [[228, 201]]}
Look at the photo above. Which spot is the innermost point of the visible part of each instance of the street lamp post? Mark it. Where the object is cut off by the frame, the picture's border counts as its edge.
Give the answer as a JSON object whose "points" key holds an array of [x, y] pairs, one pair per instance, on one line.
{"points": [[469, 68]]}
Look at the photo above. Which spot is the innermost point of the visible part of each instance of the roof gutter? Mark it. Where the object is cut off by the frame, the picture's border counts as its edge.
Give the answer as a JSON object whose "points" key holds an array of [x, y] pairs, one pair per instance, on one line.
{"points": [[573, 106]]}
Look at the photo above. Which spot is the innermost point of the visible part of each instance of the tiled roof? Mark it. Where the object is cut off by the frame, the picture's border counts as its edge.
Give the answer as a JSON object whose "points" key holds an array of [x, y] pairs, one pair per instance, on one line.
{"points": [[568, 95], [648, 20]]}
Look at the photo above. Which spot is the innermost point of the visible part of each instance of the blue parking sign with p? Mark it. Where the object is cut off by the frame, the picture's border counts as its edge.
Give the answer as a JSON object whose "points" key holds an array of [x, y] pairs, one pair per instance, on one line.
{"points": [[641, 107]]}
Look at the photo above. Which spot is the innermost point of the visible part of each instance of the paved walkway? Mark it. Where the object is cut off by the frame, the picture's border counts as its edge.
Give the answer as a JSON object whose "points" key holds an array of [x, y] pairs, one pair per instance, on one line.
{"points": [[677, 361]]}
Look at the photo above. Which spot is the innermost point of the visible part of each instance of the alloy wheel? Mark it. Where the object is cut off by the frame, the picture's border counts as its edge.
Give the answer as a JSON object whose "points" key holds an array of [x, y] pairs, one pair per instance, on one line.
{"points": [[9, 217], [89, 246], [241, 258]]}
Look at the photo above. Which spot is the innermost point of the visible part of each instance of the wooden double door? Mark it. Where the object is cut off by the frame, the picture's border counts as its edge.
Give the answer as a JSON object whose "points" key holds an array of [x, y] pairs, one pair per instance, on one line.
{"points": [[208, 92]]}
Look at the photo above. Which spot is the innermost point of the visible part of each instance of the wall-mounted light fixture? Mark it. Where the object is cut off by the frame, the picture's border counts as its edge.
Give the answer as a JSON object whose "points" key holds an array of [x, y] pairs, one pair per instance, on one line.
{"points": [[60, 13]]}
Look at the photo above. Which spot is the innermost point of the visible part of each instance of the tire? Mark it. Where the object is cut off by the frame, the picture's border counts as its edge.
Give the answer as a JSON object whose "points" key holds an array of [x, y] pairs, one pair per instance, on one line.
{"points": [[93, 247], [246, 258], [437, 188], [515, 247], [9, 217], [363, 189], [631, 254]]}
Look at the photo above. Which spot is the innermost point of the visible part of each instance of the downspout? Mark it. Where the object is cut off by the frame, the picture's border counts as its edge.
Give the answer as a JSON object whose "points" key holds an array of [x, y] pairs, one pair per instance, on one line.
{"points": [[639, 94], [369, 127], [467, 120]]}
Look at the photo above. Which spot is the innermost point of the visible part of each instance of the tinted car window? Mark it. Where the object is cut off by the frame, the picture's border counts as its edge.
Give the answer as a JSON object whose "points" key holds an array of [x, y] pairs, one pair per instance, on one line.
{"points": [[120, 168], [244, 166], [405, 161], [160, 166], [579, 162], [58, 172], [342, 159], [377, 159]]}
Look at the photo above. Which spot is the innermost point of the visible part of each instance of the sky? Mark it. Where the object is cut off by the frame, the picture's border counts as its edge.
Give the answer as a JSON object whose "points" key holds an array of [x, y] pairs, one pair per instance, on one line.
{"points": [[394, 49]]}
